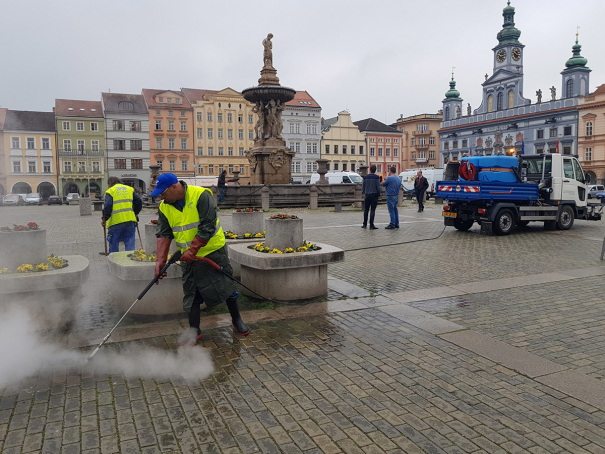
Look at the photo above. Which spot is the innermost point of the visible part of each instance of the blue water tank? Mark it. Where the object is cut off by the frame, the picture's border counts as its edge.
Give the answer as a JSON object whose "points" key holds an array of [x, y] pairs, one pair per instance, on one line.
{"points": [[493, 168]]}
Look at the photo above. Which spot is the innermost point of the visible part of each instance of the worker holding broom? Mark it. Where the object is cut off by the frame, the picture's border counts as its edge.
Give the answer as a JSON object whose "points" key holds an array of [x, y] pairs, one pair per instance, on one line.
{"points": [[187, 214]]}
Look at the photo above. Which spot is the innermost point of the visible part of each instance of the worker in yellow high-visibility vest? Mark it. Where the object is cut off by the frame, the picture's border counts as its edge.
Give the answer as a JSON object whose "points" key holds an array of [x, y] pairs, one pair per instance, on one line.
{"points": [[122, 207], [187, 214]]}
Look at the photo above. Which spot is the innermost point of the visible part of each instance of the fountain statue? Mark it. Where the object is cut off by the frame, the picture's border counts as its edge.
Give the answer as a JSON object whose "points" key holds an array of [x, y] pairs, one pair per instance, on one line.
{"points": [[270, 159]]}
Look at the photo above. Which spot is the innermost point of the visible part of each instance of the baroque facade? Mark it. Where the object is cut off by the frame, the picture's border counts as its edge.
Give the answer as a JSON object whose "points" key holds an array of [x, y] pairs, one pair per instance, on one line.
{"points": [[224, 131], [80, 147], [302, 132], [506, 121], [591, 134], [420, 142], [342, 143]]}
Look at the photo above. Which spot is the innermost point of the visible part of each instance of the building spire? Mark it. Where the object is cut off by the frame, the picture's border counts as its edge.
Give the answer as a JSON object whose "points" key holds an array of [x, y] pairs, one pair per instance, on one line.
{"points": [[577, 33], [509, 34]]}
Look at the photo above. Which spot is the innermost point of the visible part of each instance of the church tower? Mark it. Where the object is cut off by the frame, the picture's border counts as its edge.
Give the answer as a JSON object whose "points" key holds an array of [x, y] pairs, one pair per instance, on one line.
{"points": [[504, 89], [452, 104], [575, 81]]}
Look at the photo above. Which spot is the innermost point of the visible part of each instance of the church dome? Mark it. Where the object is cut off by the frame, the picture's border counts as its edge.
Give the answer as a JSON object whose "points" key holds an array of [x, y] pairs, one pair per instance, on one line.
{"points": [[576, 61], [509, 34], [452, 94]]}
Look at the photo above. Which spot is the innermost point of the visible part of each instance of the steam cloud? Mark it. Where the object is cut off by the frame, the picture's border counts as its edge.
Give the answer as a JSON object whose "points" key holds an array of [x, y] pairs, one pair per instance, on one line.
{"points": [[24, 353]]}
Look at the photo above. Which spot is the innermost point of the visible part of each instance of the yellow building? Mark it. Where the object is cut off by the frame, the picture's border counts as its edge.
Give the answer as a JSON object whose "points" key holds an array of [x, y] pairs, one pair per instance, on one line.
{"points": [[30, 152], [224, 130], [591, 134], [420, 140], [342, 144]]}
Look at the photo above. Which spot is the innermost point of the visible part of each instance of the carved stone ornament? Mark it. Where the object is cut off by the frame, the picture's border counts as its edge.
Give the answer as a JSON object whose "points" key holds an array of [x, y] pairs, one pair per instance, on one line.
{"points": [[251, 159], [277, 159]]}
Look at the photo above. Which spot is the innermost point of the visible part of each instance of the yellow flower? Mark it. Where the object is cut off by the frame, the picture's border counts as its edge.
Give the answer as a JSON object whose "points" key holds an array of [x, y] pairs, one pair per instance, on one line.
{"points": [[42, 267], [258, 235], [247, 235], [289, 249], [25, 268], [3, 270]]}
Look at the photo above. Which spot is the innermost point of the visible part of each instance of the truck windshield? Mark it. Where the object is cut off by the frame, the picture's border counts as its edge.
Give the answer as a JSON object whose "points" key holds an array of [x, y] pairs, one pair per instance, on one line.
{"points": [[534, 165]]}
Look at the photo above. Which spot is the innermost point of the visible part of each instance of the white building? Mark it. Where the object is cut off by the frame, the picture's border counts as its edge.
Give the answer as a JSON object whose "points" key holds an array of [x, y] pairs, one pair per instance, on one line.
{"points": [[302, 133], [127, 139]]}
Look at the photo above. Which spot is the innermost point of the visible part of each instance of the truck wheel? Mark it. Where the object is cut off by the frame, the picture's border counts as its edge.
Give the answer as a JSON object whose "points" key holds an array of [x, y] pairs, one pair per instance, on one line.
{"points": [[463, 226], [566, 217], [504, 222]]}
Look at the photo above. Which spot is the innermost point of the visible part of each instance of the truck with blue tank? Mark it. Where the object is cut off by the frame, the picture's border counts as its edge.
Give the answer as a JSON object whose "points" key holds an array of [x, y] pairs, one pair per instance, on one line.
{"points": [[501, 193]]}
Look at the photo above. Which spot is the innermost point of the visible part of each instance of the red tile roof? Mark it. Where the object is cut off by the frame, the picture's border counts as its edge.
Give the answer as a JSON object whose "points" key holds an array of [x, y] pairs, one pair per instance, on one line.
{"points": [[303, 99], [196, 94], [150, 96], [78, 108]]}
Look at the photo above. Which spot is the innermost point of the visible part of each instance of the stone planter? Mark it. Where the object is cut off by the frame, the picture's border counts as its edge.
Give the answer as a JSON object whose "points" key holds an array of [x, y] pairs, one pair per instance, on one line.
{"points": [[248, 222], [17, 248], [283, 233], [150, 244]]}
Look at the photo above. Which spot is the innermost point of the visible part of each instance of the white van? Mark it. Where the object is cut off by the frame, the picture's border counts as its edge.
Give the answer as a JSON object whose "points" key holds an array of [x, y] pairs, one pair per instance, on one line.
{"points": [[338, 177], [432, 175]]}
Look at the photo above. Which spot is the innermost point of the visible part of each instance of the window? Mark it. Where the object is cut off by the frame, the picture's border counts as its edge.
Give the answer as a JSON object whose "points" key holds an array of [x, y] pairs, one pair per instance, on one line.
{"points": [[220, 169], [446, 145], [312, 128], [31, 143], [46, 143], [335, 150], [539, 150], [431, 154], [230, 151], [136, 144], [380, 140], [465, 143], [210, 151], [158, 143], [241, 151], [230, 169], [170, 125], [177, 100], [209, 116], [158, 112], [211, 169], [335, 166], [431, 141], [221, 151], [31, 167], [81, 166], [294, 128], [569, 89], [352, 149], [250, 134], [314, 147], [119, 145], [158, 125], [360, 149], [135, 125], [455, 144], [79, 126], [67, 144], [136, 163], [200, 133], [447, 113], [81, 145], [126, 105], [568, 168], [314, 167], [328, 166], [94, 126], [413, 142], [160, 164], [588, 154], [553, 132], [119, 163], [309, 167], [96, 166], [46, 167], [490, 103], [588, 128], [220, 133], [344, 166], [183, 144], [183, 165], [66, 126], [372, 151], [118, 125], [16, 166], [567, 131], [241, 169], [413, 155], [219, 117], [250, 118], [511, 99], [379, 151], [210, 133], [309, 147], [199, 116], [240, 134], [500, 101], [183, 126], [230, 118], [540, 134], [169, 100], [229, 133], [344, 149], [171, 144], [327, 149], [172, 165], [387, 152], [200, 151], [240, 118], [422, 141], [352, 167], [67, 166], [395, 152], [200, 169], [182, 111]]}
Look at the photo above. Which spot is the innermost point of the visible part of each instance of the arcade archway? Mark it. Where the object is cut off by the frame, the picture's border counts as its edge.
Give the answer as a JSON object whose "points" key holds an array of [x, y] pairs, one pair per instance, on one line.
{"points": [[70, 188], [46, 189], [94, 190], [21, 188]]}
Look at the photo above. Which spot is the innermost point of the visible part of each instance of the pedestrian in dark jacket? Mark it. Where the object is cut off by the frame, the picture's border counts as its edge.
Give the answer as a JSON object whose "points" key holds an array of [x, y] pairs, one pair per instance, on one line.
{"points": [[371, 190], [221, 186], [421, 184]]}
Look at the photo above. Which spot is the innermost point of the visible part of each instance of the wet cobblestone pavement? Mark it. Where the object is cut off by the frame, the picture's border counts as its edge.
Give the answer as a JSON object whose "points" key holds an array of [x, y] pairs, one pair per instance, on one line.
{"points": [[357, 381]]}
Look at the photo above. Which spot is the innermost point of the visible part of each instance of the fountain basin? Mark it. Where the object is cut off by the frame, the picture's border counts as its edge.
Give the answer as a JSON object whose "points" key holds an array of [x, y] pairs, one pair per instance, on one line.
{"points": [[286, 277], [247, 222], [268, 92]]}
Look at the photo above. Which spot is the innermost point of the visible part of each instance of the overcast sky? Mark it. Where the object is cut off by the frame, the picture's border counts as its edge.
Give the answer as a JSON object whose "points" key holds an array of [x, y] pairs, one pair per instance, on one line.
{"points": [[378, 59]]}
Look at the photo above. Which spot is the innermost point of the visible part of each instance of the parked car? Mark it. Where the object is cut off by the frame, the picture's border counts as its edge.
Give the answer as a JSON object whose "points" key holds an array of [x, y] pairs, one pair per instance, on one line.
{"points": [[594, 189], [72, 197], [55, 199], [33, 198], [13, 199]]}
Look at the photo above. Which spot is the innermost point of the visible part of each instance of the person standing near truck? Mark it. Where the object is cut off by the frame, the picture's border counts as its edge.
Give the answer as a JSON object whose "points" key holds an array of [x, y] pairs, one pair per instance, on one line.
{"points": [[393, 185], [421, 184], [371, 189]]}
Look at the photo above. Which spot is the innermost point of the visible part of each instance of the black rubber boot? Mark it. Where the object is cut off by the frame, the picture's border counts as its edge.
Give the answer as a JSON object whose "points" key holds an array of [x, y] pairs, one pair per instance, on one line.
{"points": [[236, 319]]}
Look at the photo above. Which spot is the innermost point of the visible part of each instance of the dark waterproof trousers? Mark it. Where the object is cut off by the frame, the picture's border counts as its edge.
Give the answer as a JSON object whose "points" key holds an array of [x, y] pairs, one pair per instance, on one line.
{"points": [[370, 204]]}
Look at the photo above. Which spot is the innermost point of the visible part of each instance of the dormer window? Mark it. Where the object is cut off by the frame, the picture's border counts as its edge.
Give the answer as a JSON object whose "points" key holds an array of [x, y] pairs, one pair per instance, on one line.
{"points": [[161, 100], [125, 105]]}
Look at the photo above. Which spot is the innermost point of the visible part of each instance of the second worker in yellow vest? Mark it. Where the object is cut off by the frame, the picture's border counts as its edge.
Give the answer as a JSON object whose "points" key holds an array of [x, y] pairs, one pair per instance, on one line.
{"points": [[188, 215], [122, 205]]}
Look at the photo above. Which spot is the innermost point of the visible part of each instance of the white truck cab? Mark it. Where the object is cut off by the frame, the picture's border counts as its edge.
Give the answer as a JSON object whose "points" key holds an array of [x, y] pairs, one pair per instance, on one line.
{"points": [[338, 177]]}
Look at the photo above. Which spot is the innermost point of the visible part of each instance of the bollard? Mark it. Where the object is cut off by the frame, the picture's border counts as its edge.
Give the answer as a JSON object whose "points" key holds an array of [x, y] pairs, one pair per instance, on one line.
{"points": [[313, 196], [265, 198], [85, 206], [358, 195]]}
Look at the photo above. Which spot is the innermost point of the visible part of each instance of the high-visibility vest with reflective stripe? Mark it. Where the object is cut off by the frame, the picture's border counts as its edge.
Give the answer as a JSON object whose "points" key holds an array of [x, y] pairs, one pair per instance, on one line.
{"points": [[184, 224], [122, 210]]}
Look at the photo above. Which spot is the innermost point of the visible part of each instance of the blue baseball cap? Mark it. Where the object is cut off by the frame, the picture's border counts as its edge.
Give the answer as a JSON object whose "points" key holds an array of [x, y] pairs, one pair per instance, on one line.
{"points": [[164, 181]]}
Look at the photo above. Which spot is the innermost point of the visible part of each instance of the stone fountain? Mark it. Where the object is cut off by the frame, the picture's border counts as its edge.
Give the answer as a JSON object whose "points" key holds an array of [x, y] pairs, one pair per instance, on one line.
{"points": [[270, 159]]}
